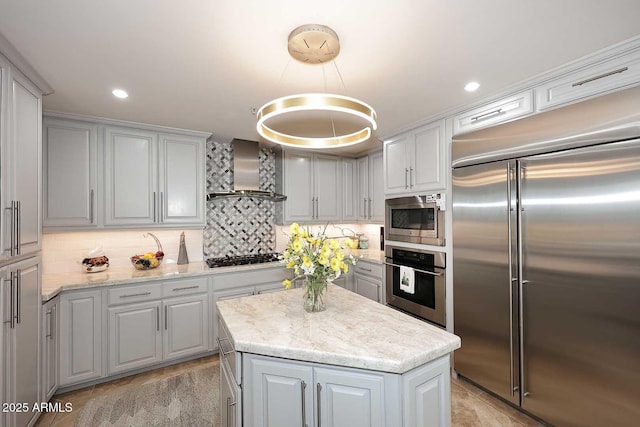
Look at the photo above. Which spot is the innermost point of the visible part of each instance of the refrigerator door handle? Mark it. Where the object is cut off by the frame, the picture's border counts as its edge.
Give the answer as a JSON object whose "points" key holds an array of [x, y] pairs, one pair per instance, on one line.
{"points": [[519, 182], [514, 280]]}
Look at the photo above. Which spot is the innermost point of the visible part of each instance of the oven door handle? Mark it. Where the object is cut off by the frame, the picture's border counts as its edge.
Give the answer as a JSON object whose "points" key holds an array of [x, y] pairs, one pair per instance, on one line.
{"points": [[415, 269]]}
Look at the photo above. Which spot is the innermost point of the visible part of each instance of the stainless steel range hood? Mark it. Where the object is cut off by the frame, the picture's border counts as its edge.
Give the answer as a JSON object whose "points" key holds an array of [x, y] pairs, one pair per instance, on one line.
{"points": [[246, 173]]}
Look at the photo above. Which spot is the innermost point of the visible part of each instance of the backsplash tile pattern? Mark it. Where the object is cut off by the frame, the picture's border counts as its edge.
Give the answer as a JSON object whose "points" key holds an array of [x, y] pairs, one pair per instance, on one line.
{"points": [[238, 225]]}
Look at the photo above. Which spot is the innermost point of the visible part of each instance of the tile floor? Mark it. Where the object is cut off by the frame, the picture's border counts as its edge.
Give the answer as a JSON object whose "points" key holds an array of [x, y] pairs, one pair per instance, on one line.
{"points": [[470, 406]]}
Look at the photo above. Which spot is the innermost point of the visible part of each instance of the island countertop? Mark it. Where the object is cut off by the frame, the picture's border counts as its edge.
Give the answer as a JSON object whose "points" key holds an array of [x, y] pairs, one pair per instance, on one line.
{"points": [[353, 331]]}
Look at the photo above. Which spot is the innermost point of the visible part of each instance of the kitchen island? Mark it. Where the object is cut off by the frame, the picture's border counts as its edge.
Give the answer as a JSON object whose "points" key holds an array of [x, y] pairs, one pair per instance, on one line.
{"points": [[359, 363]]}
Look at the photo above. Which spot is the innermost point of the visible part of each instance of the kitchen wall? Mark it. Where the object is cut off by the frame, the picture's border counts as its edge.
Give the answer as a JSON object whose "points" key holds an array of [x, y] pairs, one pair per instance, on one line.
{"points": [[238, 225], [63, 252], [372, 231]]}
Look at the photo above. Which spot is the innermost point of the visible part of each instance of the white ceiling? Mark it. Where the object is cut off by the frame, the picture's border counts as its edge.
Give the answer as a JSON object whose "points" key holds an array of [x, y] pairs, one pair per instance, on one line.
{"points": [[203, 64]]}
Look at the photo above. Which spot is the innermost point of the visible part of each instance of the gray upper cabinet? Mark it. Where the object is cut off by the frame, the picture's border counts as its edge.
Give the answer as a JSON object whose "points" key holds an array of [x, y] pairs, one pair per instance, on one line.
{"points": [[99, 174], [349, 189], [415, 161], [313, 185], [371, 188], [21, 163], [503, 110], [596, 79], [131, 177], [182, 164], [71, 173]]}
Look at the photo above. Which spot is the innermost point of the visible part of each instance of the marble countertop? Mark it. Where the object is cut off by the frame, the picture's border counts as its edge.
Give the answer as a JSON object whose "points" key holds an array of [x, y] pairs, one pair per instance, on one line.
{"points": [[373, 255], [353, 331], [54, 283]]}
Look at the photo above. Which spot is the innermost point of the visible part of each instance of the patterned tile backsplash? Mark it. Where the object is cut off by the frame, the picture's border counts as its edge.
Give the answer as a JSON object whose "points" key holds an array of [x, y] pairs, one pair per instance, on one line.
{"points": [[238, 225]]}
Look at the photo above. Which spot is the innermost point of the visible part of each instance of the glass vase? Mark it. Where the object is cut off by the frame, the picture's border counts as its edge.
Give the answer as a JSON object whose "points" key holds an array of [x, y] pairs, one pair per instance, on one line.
{"points": [[315, 296]]}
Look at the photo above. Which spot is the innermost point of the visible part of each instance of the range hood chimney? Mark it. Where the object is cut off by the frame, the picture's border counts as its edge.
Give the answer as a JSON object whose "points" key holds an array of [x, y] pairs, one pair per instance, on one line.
{"points": [[246, 173]]}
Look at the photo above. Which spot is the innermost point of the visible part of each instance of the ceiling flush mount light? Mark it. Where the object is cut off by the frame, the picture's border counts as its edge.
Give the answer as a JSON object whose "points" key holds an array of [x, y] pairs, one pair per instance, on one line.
{"points": [[119, 93], [315, 44], [471, 86]]}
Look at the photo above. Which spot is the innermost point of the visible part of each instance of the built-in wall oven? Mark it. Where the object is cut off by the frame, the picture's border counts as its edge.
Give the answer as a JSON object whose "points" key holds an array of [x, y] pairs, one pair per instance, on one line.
{"points": [[416, 219], [415, 282]]}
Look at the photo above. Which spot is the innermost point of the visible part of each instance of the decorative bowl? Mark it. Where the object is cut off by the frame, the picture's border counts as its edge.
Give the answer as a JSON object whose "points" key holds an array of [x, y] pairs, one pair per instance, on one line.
{"points": [[95, 264], [150, 259], [147, 261]]}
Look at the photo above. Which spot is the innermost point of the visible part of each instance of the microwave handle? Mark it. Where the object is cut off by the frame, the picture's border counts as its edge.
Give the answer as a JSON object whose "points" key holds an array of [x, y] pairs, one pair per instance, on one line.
{"points": [[415, 269]]}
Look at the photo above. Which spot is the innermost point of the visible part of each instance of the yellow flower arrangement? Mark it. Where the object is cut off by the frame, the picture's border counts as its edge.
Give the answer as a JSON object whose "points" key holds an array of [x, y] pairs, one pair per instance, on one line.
{"points": [[317, 258]]}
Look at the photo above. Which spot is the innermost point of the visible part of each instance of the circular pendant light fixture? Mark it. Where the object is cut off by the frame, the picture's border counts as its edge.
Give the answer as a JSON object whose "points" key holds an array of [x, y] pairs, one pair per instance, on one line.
{"points": [[315, 44]]}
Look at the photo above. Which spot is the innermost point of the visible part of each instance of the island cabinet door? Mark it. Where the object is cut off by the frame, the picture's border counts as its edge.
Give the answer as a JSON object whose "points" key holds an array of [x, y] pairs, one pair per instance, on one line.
{"points": [[427, 395], [278, 393], [349, 398]]}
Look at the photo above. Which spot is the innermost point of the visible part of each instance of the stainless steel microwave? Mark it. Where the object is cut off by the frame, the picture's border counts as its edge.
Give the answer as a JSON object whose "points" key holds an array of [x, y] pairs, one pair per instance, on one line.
{"points": [[416, 219]]}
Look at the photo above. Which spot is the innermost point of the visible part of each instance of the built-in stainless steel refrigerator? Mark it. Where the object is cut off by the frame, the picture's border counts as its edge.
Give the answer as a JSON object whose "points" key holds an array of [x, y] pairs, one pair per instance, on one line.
{"points": [[546, 261]]}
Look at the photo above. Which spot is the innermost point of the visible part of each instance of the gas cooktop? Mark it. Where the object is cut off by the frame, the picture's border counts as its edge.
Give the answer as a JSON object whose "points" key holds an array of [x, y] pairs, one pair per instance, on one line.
{"points": [[227, 261]]}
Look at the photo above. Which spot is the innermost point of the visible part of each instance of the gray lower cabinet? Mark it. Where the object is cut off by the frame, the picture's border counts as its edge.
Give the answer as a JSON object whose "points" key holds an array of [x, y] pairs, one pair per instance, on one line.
{"points": [[19, 337], [368, 278], [152, 329], [186, 326], [285, 393], [49, 348], [112, 330], [135, 336], [231, 404], [281, 392], [80, 336]]}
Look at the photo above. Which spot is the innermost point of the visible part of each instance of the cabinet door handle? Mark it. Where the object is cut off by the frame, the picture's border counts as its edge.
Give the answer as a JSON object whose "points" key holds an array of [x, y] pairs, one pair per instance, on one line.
{"points": [[303, 387], [18, 295], [18, 228], [369, 208], [91, 206], [11, 320], [135, 295], [412, 177], [185, 288], [486, 115], [157, 318], [161, 206], [154, 206], [318, 391], [406, 180], [54, 316], [48, 324], [11, 229], [229, 405], [590, 79], [166, 317]]}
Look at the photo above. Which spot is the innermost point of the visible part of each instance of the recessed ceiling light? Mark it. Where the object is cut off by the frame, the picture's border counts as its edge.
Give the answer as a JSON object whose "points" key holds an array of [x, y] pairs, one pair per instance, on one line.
{"points": [[471, 86], [119, 93]]}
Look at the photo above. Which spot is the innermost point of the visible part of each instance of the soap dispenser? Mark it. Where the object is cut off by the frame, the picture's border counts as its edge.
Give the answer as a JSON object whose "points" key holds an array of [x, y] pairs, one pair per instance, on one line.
{"points": [[183, 258]]}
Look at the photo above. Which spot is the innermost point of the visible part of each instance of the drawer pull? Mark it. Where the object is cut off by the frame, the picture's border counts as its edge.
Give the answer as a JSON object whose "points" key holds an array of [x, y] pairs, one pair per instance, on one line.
{"points": [[364, 269], [142, 294], [224, 353], [185, 288], [487, 115], [610, 73]]}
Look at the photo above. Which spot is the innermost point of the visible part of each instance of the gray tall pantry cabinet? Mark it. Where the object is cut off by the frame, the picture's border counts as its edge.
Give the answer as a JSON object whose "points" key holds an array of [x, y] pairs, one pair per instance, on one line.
{"points": [[20, 240]]}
